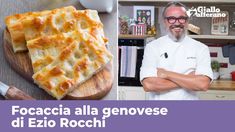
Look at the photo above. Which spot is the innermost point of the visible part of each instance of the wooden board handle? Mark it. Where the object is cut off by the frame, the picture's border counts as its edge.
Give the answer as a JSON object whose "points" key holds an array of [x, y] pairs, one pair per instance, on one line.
{"points": [[14, 93]]}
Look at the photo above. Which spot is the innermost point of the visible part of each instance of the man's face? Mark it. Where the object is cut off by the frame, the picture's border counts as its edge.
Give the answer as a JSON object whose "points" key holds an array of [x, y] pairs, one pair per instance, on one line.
{"points": [[176, 22]]}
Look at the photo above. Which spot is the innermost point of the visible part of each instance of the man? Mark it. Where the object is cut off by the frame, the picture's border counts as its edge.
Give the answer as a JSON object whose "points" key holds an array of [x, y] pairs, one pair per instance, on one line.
{"points": [[175, 66]]}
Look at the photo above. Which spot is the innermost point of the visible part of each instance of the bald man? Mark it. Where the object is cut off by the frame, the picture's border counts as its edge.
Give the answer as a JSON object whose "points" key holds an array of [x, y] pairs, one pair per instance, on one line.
{"points": [[175, 66]]}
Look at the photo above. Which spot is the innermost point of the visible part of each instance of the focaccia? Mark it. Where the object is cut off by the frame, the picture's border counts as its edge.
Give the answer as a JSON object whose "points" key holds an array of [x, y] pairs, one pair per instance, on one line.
{"points": [[62, 21], [16, 31], [89, 21], [16, 28], [66, 46], [75, 63], [45, 49]]}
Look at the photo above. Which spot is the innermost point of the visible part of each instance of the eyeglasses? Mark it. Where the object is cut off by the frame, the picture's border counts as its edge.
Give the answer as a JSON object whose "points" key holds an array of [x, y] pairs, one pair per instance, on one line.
{"points": [[172, 19]]}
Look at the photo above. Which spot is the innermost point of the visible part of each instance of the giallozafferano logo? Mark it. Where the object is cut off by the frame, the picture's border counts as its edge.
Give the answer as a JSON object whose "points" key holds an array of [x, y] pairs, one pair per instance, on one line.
{"points": [[203, 11]]}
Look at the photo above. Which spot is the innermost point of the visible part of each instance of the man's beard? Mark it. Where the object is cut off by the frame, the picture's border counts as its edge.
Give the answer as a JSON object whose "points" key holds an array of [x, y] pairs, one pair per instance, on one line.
{"points": [[179, 36]]}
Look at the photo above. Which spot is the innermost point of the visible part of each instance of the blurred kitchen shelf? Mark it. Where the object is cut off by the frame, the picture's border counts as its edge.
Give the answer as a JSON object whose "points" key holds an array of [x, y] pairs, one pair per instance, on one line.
{"points": [[191, 1], [214, 38], [163, 2], [134, 36], [203, 38]]}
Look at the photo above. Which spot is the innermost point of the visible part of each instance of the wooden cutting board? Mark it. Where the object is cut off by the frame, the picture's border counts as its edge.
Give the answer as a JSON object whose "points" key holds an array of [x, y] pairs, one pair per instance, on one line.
{"points": [[94, 88]]}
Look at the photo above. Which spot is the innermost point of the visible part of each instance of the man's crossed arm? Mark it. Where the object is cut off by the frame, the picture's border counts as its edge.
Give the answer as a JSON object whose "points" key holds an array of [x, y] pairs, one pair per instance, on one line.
{"points": [[168, 80]]}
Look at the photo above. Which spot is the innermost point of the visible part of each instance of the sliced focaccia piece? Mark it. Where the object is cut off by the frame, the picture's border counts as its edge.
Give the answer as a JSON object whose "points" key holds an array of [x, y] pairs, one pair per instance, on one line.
{"points": [[62, 21], [77, 62], [53, 23], [16, 31], [45, 49], [16, 28], [86, 18]]}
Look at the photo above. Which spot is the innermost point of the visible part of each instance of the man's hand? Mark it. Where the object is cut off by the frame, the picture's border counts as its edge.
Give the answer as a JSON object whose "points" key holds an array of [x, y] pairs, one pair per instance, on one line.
{"points": [[159, 84], [190, 81], [168, 80]]}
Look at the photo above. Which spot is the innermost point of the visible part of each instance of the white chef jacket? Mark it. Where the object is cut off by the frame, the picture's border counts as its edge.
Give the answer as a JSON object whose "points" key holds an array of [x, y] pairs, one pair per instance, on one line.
{"points": [[182, 57]]}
